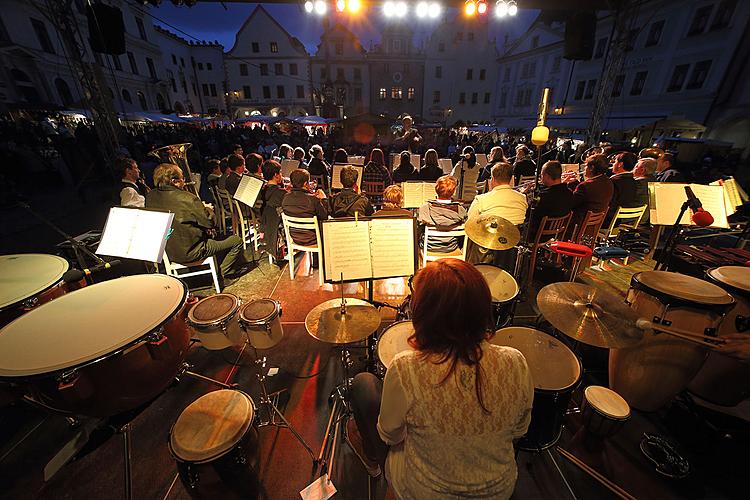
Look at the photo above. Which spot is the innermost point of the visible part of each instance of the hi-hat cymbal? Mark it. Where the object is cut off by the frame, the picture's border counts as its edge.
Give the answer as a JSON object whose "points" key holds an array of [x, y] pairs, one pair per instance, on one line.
{"points": [[490, 231], [326, 323], [589, 315]]}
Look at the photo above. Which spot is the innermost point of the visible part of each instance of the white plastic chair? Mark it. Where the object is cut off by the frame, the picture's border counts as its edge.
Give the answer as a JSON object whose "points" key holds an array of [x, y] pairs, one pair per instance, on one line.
{"points": [[173, 269], [306, 223], [459, 253]]}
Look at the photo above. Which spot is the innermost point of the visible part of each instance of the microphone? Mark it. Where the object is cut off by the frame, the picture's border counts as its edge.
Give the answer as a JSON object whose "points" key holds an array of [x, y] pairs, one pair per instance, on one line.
{"points": [[700, 216], [101, 267]]}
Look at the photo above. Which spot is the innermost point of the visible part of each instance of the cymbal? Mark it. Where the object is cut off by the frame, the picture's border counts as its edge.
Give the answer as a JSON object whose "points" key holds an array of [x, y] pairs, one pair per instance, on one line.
{"points": [[492, 232], [325, 322], [589, 315]]}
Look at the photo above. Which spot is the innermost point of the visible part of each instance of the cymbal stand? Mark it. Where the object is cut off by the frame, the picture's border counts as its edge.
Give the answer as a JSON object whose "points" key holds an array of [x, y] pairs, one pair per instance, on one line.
{"points": [[185, 370], [340, 414]]}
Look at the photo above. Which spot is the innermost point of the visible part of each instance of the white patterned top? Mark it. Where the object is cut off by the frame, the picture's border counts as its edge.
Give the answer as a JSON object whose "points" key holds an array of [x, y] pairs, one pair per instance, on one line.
{"points": [[443, 445]]}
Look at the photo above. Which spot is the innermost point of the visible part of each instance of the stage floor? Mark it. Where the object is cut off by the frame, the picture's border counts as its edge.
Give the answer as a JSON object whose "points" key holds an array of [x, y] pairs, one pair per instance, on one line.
{"points": [[30, 438]]}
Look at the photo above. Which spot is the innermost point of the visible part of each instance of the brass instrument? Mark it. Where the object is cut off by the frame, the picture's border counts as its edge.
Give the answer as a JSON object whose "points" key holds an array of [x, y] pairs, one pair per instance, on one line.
{"points": [[652, 152], [176, 154]]}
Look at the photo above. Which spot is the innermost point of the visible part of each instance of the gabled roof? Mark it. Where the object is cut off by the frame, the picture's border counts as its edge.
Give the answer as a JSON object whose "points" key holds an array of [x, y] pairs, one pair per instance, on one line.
{"points": [[536, 25], [338, 27], [259, 10]]}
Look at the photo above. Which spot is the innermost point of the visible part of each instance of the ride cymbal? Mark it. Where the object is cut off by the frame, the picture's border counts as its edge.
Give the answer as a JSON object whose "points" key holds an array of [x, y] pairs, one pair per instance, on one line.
{"points": [[492, 232], [326, 323]]}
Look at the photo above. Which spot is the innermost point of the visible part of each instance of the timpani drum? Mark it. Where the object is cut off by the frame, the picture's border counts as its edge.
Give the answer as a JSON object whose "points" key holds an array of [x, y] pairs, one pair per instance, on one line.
{"points": [[556, 372], [604, 411], [504, 290], [649, 374], [724, 380], [393, 340], [101, 350], [260, 321], [213, 321], [215, 446]]}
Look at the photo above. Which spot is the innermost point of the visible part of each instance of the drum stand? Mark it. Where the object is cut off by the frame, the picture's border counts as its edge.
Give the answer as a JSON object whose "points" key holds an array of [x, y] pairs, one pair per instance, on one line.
{"points": [[340, 414], [185, 370]]}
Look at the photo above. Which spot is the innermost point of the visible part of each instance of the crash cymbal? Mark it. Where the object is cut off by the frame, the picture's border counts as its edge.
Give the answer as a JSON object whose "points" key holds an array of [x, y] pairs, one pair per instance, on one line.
{"points": [[490, 231], [326, 323], [589, 315]]}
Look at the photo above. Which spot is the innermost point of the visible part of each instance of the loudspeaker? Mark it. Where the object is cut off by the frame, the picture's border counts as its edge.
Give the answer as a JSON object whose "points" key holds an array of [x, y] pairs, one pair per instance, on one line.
{"points": [[580, 32], [106, 29]]}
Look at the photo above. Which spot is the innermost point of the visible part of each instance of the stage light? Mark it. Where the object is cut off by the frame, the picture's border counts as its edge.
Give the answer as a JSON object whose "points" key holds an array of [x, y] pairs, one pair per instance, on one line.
{"points": [[309, 6], [434, 10], [401, 9], [340, 5], [389, 9], [321, 7], [470, 8], [512, 8], [482, 7], [354, 6], [501, 8], [422, 9]]}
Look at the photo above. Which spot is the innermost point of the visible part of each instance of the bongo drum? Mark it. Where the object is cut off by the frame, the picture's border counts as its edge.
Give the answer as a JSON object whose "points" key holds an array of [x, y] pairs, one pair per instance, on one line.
{"points": [[101, 350], [260, 321], [556, 372], [393, 340], [604, 411], [723, 380], [215, 446], [649, 374], [213, 321], [504, 290]]}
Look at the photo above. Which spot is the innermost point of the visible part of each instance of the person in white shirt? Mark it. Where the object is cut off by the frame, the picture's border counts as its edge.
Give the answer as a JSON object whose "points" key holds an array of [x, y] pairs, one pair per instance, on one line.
{"points": [[450, 409], [132, 190]]}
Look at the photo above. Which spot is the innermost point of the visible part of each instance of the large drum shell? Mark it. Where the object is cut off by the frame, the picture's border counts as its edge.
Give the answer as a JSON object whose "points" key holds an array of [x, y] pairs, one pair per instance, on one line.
{"points": [[216, 327], [649, 374], [219, 336]]}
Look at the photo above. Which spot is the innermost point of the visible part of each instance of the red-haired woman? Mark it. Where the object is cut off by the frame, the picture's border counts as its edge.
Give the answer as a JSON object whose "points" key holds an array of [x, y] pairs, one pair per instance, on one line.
{"points": [[451, 408]]}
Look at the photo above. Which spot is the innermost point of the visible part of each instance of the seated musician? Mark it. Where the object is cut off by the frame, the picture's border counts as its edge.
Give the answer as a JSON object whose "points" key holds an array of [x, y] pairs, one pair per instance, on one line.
{"points": [[643, 173], [349, 200], [253, 164], [393, 203], [318, 167], [299, 202], [595, 193], [555, 199], [443, 214], [375, 171], [443, 421], [497, 155], [132, 190], [193, 233], [405, 171], [431, 170], [666, 171], [270, 210], [214, 172], [236, 164], [524, 166]]}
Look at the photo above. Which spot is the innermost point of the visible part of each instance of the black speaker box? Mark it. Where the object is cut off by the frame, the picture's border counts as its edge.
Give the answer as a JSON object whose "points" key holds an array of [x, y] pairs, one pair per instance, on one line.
{"points": [[580, 33], [106, 29]]}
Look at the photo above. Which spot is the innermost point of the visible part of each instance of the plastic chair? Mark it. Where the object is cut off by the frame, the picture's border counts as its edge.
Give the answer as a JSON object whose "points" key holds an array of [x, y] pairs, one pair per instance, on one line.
{"points": [[549, 228], [308, 224], [635, 214], [173, 269], [429, 256]]}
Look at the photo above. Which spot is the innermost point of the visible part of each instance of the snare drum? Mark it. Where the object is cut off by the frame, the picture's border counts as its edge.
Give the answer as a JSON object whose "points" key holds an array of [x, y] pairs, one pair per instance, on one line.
{"points": [[393, 340], [556, 372], [649, 374], [604, 411], [260, 321], [101, 350], [504, 290], [215, 446], [723, 380], [213, 321]]}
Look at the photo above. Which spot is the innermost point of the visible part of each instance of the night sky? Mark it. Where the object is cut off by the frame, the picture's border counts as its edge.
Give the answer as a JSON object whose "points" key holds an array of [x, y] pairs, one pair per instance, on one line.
{"points": [[212, 21]]}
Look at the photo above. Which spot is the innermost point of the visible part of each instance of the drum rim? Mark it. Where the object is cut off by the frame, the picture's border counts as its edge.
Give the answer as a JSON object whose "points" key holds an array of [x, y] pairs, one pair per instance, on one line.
{"points": [[518, 287], [603, 413], [260, 321], [116, 352], [636, 284], [219, 322], [728, 287], [12, 305], [391, 326], [250, 426]]}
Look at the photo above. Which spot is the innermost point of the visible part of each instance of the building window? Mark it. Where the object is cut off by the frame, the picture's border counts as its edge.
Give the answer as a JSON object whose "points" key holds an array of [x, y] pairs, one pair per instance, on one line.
{"points": [[506, 77], [323, 74], [601, 48], [209, 66], [527, 97], [280, 92], [535, 42], [358, 95], [339, 48], [474, 98], [441, 47], [182, 62], [503, 99], [397, 93], [700, 20], [580, 88], [151, 68], [618, 85], [590, 86], [436, 97], [470, 36], [133, 65], [396, 45], [723, 14], [382, 94], [42, 36], [699, 74], [357, 74], [141, 28], [293, 70], [556, 64], [174, 60], [300, 91], [200, 66], [679, 74], [438, 71], [482, 74], [247, 92], [525, 70], [486, 97], [462, 98], [274, 47], [632, 37], [340, 74], [266, 92], [410, 93], [638, 83], [263, 69], [126, 96], [195, 90], [278, 69], [532, 69], [654, 33], [243, 69], [116, 61], [184, 86], [469, 74], [213, 89]]}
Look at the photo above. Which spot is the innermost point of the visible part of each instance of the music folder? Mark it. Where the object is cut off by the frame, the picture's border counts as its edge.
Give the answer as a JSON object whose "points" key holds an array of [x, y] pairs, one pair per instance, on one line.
{"points": [[133, 233], [445, 165], [287, 166], [666, 199], [249, 189], [417, 193]]}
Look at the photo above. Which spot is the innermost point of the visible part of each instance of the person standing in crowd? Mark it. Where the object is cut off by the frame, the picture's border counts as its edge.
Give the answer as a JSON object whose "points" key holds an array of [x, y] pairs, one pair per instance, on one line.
{"points": [[253, 163], [376, 171], [393, 203], [666, 170], [555, 199], [405, 170], [443, 214], [301, 203], [625, 187], [431, 170], [133, 190], [193, 232], [466, 173], [595, 193], [349, 200], [236, 165], [272, 197], [400, 424], [524, 166], [318, 168], [408, 137]]}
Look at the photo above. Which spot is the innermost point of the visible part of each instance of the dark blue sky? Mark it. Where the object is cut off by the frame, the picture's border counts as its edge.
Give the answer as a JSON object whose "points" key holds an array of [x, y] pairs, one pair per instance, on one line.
{"points": [[211, 21]]}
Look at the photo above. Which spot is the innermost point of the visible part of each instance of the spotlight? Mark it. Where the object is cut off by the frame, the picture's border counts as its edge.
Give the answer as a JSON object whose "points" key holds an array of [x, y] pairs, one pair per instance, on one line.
{"points": [[354, 5], [512, 8], [422, 9], [470, 8], [309, 6], [320, 7], [482, 7], [389, 9], [340, 5], [401, 9], [501, 8], [434, 10]]}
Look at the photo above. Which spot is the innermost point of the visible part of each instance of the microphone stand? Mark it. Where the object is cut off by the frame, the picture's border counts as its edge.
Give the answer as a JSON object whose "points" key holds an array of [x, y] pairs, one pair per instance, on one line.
{"points": [[665, 256]]}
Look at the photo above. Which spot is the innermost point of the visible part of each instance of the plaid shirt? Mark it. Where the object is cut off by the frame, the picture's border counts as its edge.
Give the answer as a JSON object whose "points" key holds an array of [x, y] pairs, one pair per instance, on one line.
{"points": [[376, 173]]}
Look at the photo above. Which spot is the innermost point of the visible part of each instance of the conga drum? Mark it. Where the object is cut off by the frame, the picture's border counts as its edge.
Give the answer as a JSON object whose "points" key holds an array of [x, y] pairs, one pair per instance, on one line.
{"points": [[213, 321], [723, 380], [260, 321], [101, 350], [604, 411], [649, 374], [215, 446], [504, 290], [556, 372], [393, 340]]}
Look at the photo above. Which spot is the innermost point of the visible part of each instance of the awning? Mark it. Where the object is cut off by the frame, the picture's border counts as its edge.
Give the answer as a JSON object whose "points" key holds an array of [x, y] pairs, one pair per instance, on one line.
{"points": [[313, 120], [611, 122]]}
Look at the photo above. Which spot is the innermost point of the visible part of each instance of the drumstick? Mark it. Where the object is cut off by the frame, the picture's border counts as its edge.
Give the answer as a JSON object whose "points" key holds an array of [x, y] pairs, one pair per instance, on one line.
{"points": [[703, 340], [614, 488]]}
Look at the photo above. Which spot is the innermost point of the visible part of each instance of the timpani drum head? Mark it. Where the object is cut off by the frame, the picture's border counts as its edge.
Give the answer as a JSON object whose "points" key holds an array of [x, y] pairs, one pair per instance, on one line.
{"points": [[213, 310], [87, 324], [393, 340], [211, 425], [607, 402], [24, 275], [553, 366], [684, 287], [734, 276], [503, 286]]}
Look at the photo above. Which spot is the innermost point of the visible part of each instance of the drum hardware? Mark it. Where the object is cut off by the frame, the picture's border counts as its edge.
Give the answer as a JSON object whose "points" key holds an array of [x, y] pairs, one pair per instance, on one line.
{"points": [[710, 342], [185, 370], [604, 481], [492, 232]]}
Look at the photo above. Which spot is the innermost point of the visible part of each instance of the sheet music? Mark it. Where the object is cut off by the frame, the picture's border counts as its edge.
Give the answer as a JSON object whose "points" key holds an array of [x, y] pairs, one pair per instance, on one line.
{"points": [[668, 199], [571, 167], [416, 194], [392, 247], [481, 160], [249, 189], [416, 160], [287, 166], [732, 197], [356, 160], [336, 181], [346, 250], [446, 165], [135, 234]]}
